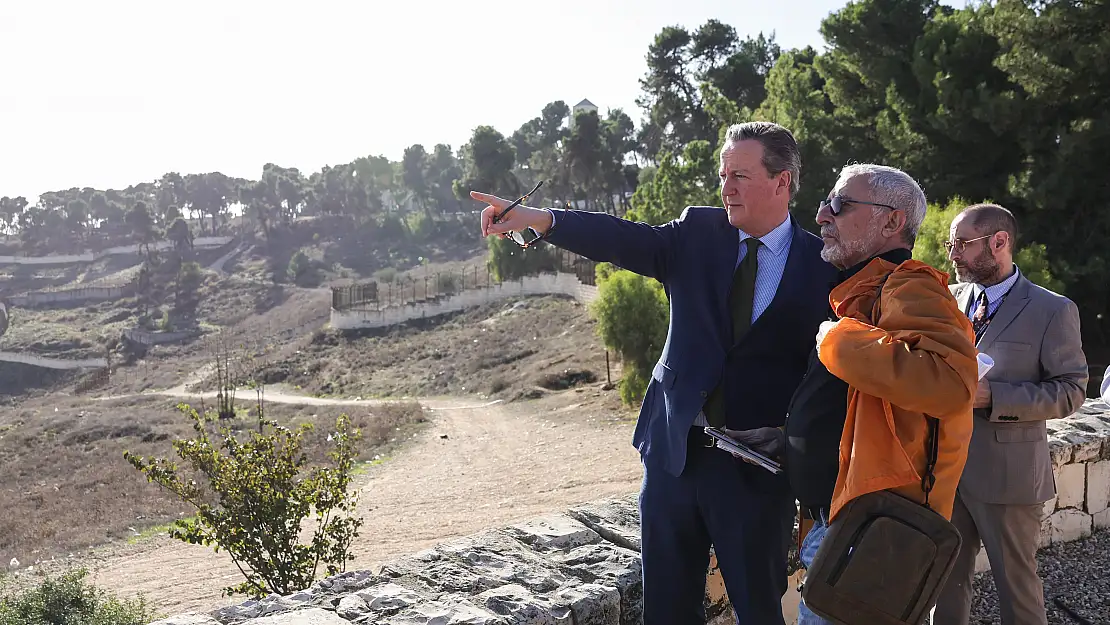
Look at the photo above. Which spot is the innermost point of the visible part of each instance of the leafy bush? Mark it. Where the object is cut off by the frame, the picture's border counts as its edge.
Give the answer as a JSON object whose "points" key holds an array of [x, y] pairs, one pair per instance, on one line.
{"points": [[386, 274], [632, 313], [929, 248], [256, 494], [304, 271], [508, 261], [70, 600]]}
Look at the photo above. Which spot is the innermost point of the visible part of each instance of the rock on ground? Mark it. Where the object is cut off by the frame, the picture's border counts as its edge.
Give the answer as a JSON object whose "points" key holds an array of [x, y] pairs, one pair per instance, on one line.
{"points": [[1074, 574]]}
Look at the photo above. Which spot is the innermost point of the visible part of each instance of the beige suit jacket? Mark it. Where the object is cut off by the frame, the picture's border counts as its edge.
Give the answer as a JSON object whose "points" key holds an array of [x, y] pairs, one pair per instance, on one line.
{"points": [[1039, 373]]}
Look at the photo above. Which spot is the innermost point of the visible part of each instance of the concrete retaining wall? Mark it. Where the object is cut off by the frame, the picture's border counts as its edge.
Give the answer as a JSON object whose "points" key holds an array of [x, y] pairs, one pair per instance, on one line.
{"points": [[544, 284], [582, 566], [53, 363], [145, 337], [88, 257], [83, 294]]}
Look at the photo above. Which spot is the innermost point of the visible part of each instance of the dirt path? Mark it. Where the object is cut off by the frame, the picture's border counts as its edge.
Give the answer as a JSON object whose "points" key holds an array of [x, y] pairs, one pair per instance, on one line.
{"points": [[474, 467]]}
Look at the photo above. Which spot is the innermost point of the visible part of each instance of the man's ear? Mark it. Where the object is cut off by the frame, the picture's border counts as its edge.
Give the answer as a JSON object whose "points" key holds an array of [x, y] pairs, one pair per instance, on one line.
{"points": [[999, 241], [782, 183], [895, 224]]}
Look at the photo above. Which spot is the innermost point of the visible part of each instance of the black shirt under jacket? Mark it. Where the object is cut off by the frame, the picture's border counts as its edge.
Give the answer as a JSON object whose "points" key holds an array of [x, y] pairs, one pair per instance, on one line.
{"points": [[816, 417]]}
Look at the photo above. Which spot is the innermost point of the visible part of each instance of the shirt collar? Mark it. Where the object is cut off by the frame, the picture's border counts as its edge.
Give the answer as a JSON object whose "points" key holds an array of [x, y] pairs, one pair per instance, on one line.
{"points": [[775, 240], [995, 291]]}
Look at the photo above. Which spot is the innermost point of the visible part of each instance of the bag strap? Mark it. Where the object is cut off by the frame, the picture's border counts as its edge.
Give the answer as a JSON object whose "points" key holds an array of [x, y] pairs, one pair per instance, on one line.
{"points": [[932, 440]]}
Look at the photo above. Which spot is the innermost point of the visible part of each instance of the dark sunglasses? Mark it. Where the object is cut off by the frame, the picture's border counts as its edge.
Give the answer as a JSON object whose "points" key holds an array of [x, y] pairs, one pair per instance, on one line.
{"points": [[836, 204], [520, 238]]}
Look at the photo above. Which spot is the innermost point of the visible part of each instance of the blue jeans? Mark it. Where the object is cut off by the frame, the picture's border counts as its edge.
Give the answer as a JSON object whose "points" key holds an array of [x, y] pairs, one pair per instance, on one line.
{"points": [[810, 545]]}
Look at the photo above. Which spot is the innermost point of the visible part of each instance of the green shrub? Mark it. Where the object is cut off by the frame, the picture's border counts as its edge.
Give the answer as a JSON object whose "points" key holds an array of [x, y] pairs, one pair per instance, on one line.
{"points": [[304, 271], [70, 600], [632, 314], [254, 496], [508, 261], [386, 274]]}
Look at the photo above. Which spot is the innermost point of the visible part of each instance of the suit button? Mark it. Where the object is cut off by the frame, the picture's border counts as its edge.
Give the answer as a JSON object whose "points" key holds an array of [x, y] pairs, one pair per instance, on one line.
{"points": [[704, 394]]}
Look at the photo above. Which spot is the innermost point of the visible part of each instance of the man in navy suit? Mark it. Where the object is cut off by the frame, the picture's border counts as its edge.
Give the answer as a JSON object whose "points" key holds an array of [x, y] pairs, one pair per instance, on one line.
{"points": [[747, 291]]}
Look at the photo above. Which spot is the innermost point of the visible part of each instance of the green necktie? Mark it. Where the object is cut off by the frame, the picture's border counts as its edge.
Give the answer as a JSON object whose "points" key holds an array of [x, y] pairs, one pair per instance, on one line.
{"points": [[740, 301]]}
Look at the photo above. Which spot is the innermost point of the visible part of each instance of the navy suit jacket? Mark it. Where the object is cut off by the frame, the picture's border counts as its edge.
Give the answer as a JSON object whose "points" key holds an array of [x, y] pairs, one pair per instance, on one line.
{"points": [[694, 257]]}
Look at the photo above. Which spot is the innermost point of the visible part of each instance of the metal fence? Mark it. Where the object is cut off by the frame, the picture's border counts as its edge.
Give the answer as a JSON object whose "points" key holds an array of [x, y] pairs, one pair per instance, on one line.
{"points": [[412, 290]]}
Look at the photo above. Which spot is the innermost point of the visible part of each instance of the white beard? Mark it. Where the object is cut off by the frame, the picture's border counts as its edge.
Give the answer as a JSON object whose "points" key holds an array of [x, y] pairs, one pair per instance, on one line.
{"points": [[840, 253]]}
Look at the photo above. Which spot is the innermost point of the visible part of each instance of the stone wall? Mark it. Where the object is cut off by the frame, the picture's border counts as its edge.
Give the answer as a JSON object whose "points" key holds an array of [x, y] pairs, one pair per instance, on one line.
{"points": [[81, 294], [53, 363], [582, 566], [544, 284], [148, 338], [88, 257]]}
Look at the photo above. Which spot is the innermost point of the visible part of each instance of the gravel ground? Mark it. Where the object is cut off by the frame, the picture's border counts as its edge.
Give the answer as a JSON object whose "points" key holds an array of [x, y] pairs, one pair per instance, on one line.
{"points": [[1075, 574]]}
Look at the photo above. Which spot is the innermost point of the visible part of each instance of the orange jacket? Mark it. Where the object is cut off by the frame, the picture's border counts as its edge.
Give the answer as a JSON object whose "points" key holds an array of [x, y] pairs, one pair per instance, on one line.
{"points": [[921, 361]]}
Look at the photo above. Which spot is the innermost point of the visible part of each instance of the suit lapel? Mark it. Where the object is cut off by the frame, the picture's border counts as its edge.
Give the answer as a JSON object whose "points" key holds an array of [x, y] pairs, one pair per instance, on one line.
{"points": [[963, 297], [1007, 312], [726, 264]]}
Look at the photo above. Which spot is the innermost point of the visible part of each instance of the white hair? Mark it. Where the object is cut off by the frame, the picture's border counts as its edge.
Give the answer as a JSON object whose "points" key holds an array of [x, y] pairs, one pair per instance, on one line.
{"points": [[891, 186]]}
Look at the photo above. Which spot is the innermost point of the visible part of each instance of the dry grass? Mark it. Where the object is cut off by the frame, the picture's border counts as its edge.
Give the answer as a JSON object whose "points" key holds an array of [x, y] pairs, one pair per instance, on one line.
{"points": [[76, 331], [66, 486], [509, 348]]}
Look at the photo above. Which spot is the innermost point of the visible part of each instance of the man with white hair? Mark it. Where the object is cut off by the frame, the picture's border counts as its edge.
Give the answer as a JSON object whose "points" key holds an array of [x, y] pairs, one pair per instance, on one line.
{"points": [[896, 344]]}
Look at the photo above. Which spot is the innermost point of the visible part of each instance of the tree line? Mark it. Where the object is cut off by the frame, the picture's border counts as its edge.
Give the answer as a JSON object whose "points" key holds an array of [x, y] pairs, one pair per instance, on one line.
{"points": [[1001, 101]]}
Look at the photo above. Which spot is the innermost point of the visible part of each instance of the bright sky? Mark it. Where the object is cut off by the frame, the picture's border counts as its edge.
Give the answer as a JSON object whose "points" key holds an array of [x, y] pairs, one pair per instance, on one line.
{"points": [[117, 92]]}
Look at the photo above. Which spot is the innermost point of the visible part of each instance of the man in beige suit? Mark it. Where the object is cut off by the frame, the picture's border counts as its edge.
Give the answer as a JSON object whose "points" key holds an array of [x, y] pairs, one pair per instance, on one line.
{"points": [[1040, 373]]}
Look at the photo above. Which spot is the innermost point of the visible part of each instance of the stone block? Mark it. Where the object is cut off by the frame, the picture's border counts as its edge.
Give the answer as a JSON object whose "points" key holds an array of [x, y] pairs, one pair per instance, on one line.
{"points": [[476, 563], [310, 616], [1061, 451], [1087, 429], [556, 531], [191, 618], [1071, 486], [792, 597], [591, 604], [452, 611], [1044, 536], [716, 597], [1069, 525], [616, 520], [1101, 520], [1098, 486], [612, 566], [378, 601], [982, 562], [1087, 445], [1049, 508], [519, 605]]}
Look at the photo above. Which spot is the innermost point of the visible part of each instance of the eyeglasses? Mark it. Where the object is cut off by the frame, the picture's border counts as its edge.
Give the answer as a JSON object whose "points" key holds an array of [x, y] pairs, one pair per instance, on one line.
{"points": [[520, 238], [836, 204], [959, 244]]}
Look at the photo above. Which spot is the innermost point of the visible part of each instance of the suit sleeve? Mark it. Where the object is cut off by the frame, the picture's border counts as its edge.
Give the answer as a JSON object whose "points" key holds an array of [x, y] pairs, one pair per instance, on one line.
{"points": [[1063, 386], [921, 359], [638, 247]]}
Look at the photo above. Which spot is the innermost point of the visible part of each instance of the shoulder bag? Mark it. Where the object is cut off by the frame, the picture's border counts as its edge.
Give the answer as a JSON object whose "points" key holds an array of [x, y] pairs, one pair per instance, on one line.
{"points": [[885, 558]]}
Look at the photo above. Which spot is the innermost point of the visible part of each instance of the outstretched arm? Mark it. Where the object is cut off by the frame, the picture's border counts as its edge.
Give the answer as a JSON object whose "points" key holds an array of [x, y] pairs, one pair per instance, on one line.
{"points": [[637, 247]]}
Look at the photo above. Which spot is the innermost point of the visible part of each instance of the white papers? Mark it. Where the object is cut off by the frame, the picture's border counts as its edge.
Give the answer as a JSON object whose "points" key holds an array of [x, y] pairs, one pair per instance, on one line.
{"points": [[737, 448], [985, 364]]}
